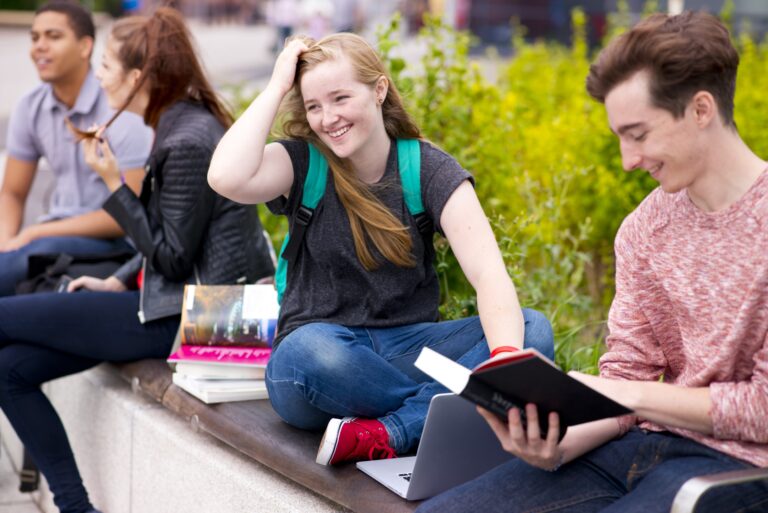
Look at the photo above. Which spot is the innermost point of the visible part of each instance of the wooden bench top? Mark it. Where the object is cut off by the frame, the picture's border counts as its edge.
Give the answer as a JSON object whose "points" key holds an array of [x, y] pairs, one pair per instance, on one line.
{"points": [[253, 428]]}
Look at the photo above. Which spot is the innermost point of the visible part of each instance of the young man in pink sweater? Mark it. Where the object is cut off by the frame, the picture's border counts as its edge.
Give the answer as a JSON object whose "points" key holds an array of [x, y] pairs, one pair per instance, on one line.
{"points": [[688, 326]]}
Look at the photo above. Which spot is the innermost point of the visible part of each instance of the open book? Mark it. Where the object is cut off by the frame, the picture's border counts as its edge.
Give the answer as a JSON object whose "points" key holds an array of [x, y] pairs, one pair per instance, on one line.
{"points": [[518, 379]]}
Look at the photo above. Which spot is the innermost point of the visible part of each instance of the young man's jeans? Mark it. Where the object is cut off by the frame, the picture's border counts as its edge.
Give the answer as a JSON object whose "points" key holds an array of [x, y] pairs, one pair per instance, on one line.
{"points": [[13, 264], [321, 371], [640, 472]]}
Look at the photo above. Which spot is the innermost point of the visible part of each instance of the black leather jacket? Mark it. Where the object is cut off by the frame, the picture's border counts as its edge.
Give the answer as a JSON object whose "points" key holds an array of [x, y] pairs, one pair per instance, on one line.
{"points": [[183, 230]]}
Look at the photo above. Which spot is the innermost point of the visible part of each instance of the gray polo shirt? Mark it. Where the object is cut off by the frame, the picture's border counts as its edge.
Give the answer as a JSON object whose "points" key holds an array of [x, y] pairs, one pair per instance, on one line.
{"points": [[37, 129]]}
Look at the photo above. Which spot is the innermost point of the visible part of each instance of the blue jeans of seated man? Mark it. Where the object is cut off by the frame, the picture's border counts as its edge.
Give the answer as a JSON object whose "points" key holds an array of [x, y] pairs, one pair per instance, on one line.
{"points": [[320, 371], [13, 264], [640, 472]]}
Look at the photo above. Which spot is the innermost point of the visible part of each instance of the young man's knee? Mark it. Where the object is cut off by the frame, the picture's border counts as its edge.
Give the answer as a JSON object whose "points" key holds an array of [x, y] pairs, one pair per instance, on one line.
{"points": [[15, 260]]}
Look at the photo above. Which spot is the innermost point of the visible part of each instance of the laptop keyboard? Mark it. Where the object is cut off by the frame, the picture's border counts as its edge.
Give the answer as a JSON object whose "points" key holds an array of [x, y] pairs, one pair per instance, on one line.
{"points": [[406, 476]]}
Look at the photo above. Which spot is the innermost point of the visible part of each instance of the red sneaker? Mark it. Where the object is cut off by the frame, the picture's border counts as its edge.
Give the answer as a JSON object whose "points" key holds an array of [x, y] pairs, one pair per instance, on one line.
{"points": [[353, 439]]}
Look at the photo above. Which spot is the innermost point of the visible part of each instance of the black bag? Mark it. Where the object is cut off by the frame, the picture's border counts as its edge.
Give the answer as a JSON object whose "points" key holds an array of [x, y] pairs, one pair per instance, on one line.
{"points": [[52, 272]]}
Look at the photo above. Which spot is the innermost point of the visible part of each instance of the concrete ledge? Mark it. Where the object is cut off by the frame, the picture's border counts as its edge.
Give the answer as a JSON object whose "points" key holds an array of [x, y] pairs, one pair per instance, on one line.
{"points": [[253, 428], [136, 457]]}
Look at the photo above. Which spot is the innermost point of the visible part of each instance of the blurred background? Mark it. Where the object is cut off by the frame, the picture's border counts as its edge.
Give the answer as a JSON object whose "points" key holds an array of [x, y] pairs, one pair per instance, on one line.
{"points": [[489, 20]]}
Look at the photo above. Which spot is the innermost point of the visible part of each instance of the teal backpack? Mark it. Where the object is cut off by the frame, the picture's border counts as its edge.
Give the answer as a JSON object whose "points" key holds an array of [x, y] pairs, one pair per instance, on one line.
{"points": [[409, 163]]}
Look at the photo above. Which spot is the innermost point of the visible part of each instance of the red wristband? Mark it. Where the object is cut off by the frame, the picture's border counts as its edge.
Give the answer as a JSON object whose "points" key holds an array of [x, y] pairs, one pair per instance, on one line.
{"points": [[503, 349]]}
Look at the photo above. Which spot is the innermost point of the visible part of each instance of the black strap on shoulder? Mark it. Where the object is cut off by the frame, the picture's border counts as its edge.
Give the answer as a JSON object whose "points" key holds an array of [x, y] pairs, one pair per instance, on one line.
{"points": [[424, 225], [300, 222]]}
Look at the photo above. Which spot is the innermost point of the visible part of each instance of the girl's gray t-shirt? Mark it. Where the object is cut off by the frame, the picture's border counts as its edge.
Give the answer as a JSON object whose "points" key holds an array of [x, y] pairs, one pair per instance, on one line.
{"points": [[327, 283]]}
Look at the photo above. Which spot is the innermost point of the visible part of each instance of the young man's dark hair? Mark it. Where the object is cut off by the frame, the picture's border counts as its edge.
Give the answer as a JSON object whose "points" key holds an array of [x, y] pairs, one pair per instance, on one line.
{"points": [[684, 54], [79, 17]]}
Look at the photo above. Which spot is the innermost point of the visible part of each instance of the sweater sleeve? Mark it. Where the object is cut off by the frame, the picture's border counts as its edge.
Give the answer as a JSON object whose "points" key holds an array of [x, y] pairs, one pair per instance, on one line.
{"points": [[633, 349], [740, 409]]}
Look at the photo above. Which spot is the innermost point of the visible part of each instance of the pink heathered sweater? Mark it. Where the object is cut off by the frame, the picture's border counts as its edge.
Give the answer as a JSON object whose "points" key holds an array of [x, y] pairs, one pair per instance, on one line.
{"points": [[691, 305]]}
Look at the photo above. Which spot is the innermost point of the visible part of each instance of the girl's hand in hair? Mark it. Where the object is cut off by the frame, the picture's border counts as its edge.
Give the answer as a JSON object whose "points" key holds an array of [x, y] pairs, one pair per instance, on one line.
{"points": [[284, 72], [99, 156]]}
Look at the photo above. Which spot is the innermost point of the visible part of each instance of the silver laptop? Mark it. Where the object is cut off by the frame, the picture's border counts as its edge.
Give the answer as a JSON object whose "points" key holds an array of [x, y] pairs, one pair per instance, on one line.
{"points": [[456, 445]]}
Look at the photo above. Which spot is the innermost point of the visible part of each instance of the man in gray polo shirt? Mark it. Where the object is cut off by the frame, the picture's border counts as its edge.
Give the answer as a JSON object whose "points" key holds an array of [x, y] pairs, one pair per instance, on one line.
{"points": [[62, 42]]}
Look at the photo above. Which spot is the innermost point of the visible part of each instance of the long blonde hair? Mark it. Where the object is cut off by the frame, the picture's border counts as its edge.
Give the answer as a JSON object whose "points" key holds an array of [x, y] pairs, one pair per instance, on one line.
{"points": [[368, 217]]}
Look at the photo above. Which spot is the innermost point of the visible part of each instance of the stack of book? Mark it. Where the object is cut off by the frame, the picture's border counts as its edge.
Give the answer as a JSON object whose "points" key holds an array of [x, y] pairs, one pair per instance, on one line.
{"points": [[226, 339]]}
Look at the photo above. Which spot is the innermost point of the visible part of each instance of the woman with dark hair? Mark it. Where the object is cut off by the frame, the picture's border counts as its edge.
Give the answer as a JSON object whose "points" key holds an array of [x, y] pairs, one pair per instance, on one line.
{"points": [[361, 292], [184, 232]]}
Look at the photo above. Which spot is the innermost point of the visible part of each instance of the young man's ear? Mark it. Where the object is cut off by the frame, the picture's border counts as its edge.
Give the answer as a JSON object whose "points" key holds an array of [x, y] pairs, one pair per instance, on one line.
{"points": [[86, 47], [704, 108]]}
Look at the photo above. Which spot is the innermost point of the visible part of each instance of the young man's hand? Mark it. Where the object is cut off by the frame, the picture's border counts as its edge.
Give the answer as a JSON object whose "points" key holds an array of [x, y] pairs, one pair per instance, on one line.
{"points": [[20, 240], [527, 444]]}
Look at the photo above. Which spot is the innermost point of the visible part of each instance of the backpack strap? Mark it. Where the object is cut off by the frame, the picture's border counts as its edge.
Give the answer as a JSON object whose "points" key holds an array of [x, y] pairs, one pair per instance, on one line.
{"points": [[312, 192], [409, 164]]}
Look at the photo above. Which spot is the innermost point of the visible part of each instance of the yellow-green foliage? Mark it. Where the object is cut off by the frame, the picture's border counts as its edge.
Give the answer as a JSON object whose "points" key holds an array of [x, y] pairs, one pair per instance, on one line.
{"points": [[547, 167], [751, 99]]}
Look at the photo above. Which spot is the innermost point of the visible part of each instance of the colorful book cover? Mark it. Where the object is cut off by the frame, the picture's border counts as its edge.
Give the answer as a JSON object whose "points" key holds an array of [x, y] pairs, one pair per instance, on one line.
{"points": [[229, 315]]}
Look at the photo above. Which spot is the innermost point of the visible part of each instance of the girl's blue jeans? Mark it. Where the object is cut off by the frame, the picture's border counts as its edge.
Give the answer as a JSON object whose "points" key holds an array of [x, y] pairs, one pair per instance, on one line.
{"points": [[321, 371]]}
